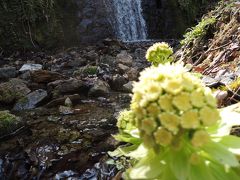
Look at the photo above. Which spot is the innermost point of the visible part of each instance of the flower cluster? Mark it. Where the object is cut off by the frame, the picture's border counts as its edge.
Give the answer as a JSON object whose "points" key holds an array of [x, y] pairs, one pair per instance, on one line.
{"points": [[168, 102], [125, 119], [159, 53]]}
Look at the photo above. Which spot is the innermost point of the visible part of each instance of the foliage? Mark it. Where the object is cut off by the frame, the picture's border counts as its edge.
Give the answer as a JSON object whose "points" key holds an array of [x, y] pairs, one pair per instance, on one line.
{"points": [[27, 23], [159, 53], [180, 133], [198, 31], [191, 7]]}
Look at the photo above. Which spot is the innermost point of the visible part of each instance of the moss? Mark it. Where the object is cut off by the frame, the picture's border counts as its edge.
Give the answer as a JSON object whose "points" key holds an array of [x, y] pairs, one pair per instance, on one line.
{"points": [[7, 121], [86, 70]]}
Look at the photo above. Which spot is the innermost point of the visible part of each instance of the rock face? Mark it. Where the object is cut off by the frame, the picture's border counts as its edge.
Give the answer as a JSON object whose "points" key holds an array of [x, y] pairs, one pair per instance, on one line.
{"points": [[85, 21]]}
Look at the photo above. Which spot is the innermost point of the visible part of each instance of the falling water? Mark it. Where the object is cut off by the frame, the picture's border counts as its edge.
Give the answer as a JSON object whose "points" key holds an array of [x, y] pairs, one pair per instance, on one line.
{"points": [[127, 19]]}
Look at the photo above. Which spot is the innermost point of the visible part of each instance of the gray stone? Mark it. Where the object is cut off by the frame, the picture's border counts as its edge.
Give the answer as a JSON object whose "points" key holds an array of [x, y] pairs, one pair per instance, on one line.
{"points": [[65, 110], [100, 88], [8, 72], [124, 58], [67, 86], [128, 87], [30, 67], [117, 82], [31, 101], [123, 68]]}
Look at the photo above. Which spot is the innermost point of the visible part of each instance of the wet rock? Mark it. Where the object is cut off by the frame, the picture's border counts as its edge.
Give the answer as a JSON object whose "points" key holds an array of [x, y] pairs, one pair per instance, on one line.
{"points": [[124, 58], [132, 74], [8, 72], [128, 87], [43, 76], [54, 118], [75, 98], [30, 67], [107, 59], [100, 88], [31, 101], [91, 56], [117, 82], [77, 62], [122, 68], [65, 110], [67, 86], [68, 102], [210, 82], [140, 54], [8, 123], [13, 90]]}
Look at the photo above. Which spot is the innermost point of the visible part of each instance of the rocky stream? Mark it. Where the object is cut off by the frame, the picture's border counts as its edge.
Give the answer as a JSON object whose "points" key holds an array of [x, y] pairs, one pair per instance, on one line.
{"points": [[66, 106]]}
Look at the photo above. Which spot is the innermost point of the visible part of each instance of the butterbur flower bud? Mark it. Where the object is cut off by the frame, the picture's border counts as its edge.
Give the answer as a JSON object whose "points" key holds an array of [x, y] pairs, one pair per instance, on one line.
{"points": [[200, 138], [163, 137], [125, 120], [159, 53], [169, 102]]}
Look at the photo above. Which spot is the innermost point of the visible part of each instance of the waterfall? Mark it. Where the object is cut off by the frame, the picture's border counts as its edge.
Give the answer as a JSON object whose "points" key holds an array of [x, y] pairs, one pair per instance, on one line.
{"points": [[127, 19]]}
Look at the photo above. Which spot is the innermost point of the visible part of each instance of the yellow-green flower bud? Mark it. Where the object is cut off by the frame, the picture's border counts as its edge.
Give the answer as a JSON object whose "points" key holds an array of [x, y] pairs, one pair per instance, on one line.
{"points": [[170, 122], [165, 103], [182, 101], [163, 137], [197, 98], [200, 138], [124, 119], [159, 53], [190, 120], [149, 125], [209, 116]]}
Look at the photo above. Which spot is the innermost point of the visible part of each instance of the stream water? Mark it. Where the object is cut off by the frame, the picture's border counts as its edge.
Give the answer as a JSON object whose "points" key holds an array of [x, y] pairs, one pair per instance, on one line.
{"points": [[55, 146]]}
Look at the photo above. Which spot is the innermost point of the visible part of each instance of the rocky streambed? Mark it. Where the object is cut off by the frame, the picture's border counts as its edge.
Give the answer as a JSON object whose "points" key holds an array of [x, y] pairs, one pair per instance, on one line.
{"points": [[62, 109]]}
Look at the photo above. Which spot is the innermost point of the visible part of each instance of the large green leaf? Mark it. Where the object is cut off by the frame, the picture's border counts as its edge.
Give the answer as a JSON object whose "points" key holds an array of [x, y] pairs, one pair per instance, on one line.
{"points": [[200, 172], [150, 167], [179, 163], [220, 173], [123, 150], [221, 154], [232, 143]]}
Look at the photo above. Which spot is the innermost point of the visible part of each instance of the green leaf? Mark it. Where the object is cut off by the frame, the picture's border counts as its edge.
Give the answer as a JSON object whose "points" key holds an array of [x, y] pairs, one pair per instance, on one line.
{"points": [[200, 172], [138, 153], [221, 154], [123, 151], [220, 173], [232, 143], [127, 138], [150, 167], [179, 163]]}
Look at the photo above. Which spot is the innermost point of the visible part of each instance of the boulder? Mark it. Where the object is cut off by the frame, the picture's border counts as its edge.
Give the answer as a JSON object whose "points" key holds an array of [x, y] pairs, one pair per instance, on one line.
{"points": [[43, 76], [13, 90], [8, 72], [100, 88], [124, 58], [31, 101], [30, 67], [67, 86]]}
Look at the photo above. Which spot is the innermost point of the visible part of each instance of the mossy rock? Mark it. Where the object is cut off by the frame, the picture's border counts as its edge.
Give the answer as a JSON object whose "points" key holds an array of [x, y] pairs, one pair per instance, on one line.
{"points": [[86, 71], [8, 123]]}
